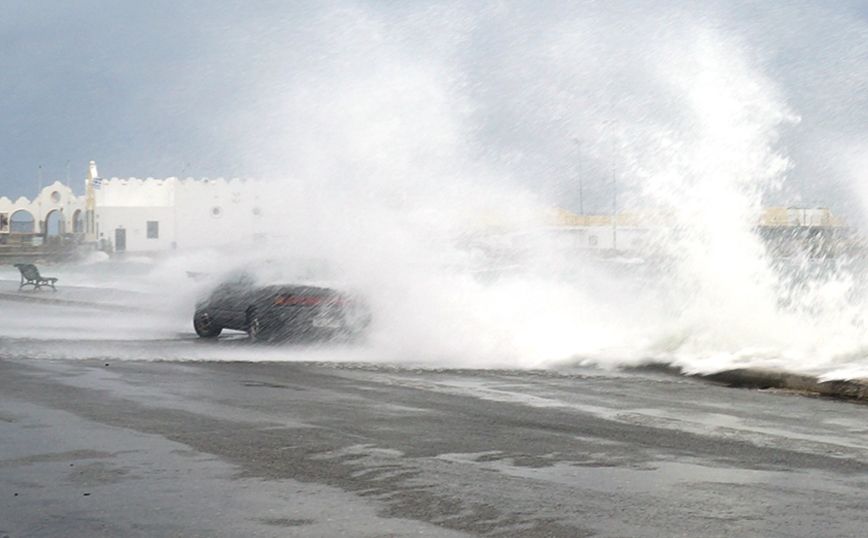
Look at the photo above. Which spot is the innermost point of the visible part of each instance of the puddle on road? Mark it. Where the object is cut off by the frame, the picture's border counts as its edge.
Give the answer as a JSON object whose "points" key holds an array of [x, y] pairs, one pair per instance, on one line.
{"points": [[654, 477]]}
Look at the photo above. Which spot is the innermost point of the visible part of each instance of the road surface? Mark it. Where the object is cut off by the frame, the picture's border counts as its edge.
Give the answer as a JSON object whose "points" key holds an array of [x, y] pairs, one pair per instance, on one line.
{"points": [[94, 447]]}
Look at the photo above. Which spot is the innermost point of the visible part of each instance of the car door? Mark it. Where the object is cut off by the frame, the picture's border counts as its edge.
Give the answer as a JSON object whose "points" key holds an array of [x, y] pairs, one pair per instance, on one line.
{"points": [[230, 301]]}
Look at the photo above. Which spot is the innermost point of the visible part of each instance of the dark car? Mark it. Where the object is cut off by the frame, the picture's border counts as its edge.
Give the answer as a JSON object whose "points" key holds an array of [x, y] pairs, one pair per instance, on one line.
{"points": [[280, 311]]}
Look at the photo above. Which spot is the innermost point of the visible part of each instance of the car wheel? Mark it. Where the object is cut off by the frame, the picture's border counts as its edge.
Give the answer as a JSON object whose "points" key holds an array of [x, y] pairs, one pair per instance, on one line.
{"points": [[205, 326]]}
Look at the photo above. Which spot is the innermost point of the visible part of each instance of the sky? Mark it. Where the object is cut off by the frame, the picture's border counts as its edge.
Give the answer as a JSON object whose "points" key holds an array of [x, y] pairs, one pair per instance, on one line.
{"points": [[535, 94]]}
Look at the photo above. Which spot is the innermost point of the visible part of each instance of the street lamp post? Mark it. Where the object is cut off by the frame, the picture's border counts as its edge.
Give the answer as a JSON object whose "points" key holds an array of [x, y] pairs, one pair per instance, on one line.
{"points": [[580, 177], [610, 126], [614, 201]]}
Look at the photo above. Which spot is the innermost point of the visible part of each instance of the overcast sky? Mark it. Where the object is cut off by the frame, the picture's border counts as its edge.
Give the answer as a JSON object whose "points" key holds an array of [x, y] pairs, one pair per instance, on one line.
{"points": [[533, 92]]}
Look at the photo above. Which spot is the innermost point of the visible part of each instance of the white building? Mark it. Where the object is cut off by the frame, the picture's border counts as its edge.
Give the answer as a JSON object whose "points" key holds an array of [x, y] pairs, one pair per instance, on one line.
{"points": [[145, 215], [55, 211], [137, 215]]}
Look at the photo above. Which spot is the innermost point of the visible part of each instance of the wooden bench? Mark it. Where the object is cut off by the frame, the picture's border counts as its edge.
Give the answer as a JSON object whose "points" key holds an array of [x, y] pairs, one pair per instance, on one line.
{"points": [[30, 277]]}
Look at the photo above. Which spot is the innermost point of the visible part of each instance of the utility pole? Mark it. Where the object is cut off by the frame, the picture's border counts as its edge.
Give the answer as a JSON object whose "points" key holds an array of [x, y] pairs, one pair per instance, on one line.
{"points": [[614, 201], [612, 133], [610, 125], [580, 174]]}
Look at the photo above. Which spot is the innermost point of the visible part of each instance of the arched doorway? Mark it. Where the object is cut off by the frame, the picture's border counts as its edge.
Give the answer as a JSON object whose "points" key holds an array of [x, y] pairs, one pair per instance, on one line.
{"points": [[21, 222], [54, 223], [78, 222]]}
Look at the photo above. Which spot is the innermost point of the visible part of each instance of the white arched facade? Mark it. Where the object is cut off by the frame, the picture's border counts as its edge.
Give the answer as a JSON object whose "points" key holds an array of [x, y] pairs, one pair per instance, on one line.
{"points": [[56, 197]]}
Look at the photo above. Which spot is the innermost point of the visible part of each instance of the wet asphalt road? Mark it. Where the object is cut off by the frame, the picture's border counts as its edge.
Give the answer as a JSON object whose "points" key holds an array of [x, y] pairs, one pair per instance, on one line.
{"points": [[131, 448]]}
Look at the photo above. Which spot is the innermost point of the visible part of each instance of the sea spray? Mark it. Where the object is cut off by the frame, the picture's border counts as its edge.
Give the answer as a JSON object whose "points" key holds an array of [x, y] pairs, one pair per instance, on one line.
{"points": [[389, 168], [421, 153]]}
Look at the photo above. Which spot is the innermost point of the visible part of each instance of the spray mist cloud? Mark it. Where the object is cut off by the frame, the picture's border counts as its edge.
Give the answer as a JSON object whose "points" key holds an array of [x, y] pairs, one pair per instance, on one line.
{"points": [[396, 141]]}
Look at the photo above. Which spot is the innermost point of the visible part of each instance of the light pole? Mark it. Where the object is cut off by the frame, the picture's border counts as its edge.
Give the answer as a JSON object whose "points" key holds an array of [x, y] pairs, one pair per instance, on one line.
{"points": [[579, 173], [610, 125], [614, 201]]}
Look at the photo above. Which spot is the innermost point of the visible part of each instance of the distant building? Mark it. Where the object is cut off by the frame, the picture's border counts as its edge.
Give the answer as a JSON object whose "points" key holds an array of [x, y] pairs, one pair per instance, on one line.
{"points": [[55, 211], [154, 215], [620, 232], [816, 232], [136, 215], [145, 215]]}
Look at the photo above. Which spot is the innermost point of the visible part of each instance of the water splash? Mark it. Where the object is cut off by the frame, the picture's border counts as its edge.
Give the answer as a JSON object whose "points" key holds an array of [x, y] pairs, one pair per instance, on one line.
{"points": [[408, 144]]}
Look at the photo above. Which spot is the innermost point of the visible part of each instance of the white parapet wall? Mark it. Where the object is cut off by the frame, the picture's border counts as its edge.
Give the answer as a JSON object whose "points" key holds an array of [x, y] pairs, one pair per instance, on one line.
{"points": [[55, 204], [144, 215]]}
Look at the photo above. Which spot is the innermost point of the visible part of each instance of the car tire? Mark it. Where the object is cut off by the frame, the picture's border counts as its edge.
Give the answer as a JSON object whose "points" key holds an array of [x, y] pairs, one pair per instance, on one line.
{"points": [[205, 326]]}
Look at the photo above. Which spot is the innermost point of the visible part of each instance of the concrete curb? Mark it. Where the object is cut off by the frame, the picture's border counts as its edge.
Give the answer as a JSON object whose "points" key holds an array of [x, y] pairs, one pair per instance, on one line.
{"points": [[758, 378]]}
